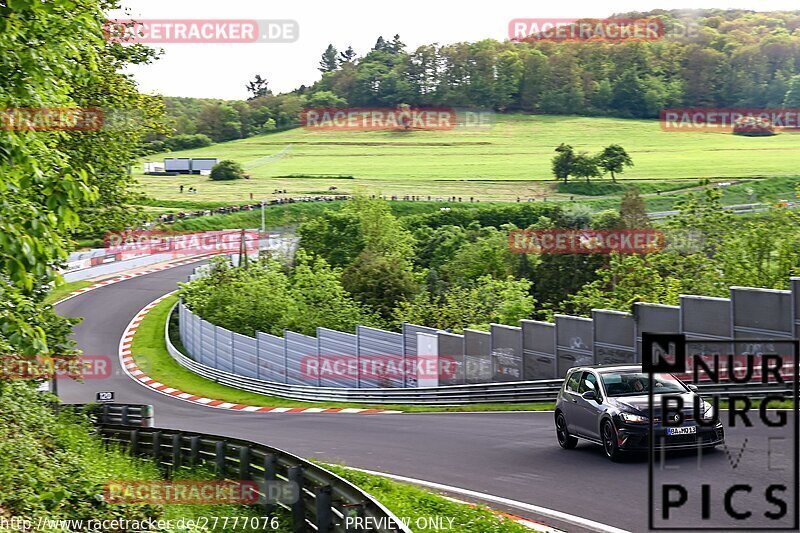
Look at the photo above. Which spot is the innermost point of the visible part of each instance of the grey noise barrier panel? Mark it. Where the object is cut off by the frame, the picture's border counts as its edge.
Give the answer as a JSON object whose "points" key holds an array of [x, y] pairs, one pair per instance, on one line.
{"points": [[337, 347], [409, 332], [761, 314], [476, 342], [452, 368], [704, 317], [613, 336], [478, 355], [654, 318], [539, 349], [508, 362], [574, 341], [505, 354], [375, 348]]}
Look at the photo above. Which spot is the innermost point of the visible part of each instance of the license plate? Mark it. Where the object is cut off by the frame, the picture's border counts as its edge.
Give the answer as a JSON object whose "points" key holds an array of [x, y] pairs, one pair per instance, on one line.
{"points": [[686, 430]]}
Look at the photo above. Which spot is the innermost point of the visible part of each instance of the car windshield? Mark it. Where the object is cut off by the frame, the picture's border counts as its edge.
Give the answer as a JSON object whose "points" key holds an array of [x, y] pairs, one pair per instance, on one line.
{"points": [[632, 383]]}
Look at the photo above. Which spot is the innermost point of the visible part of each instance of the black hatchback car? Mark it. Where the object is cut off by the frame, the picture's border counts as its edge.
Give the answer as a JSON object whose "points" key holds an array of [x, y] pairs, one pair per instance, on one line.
{"points": [[608, 405]]}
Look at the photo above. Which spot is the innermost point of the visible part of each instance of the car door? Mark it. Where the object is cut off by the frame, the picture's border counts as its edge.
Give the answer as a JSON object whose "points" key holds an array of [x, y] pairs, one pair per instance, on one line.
{"points": [[587, 412], [570, 397]]}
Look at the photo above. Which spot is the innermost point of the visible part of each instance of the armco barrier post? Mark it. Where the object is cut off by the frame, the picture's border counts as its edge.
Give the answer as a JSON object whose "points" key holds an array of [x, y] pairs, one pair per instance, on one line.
{"points": [[295, 475], [244, 463], [134, 442], [194, 450], [270, 463], [323, 501], [157, 447], [176, 452], [220, 450]]}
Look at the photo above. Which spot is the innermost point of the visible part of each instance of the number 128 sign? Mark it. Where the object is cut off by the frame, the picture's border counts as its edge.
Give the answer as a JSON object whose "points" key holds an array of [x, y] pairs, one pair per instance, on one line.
{"points": [[105, 396]]}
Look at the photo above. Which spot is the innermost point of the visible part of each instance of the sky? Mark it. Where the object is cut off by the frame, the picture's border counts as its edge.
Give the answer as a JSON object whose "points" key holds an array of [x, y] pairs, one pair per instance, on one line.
{"points": [[219, 70]]}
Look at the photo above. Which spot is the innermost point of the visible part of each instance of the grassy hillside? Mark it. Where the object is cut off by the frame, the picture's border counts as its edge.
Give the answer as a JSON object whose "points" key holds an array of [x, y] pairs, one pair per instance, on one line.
{"points": [[510, 159]]}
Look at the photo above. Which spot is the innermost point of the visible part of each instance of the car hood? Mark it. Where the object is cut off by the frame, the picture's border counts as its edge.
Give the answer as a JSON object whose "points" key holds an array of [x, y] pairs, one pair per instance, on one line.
{"points": [[640, 403]]}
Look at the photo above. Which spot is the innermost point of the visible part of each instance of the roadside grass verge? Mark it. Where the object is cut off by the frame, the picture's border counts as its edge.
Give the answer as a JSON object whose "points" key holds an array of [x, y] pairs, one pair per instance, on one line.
{"points": [[410, 504], [64, 290], [150, 353]]}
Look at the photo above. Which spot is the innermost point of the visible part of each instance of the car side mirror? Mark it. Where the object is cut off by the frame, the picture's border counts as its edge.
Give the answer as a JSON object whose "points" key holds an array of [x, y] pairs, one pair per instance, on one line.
{"points": [[589, 395], [693, 388]]}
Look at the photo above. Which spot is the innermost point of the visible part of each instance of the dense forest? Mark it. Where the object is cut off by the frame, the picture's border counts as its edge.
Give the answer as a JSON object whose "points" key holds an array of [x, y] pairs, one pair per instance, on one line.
{"points": [[707, 58]]}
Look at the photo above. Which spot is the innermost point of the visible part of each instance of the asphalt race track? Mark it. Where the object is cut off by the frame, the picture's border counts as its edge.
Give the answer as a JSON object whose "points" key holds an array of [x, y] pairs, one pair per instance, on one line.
{"points": [[511, 455]]}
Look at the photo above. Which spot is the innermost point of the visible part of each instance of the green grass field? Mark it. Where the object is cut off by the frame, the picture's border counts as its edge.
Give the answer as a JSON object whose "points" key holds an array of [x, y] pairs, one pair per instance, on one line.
{"points": [[508, 160]]}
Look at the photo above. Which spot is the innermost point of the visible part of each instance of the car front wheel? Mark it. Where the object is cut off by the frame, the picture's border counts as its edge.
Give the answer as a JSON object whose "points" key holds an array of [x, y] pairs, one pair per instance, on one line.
{"points": [[610, 444], [565, 440]]}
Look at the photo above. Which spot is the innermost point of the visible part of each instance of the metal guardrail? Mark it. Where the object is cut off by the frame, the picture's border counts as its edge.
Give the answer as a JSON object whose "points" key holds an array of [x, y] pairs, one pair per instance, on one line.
{"points": [[114, 413], [508, 392], [320, 500], [324, 500]]}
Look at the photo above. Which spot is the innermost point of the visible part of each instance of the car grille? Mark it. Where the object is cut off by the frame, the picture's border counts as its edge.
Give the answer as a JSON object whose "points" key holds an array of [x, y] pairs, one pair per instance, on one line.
{"points": [[688, 416]]}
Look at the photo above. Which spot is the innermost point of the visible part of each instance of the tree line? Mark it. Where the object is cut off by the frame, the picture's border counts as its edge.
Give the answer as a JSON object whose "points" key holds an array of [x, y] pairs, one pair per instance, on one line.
{"points": [[708, 58]]}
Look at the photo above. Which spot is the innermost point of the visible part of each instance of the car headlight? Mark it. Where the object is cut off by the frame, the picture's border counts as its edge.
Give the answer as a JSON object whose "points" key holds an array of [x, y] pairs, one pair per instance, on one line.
{"points": [[708, 411], [633, 419]]}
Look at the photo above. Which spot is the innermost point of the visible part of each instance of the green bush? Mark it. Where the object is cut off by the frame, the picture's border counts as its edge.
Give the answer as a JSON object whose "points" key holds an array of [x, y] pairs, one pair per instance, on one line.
{"points": [[263, 297], [227, 170]]}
